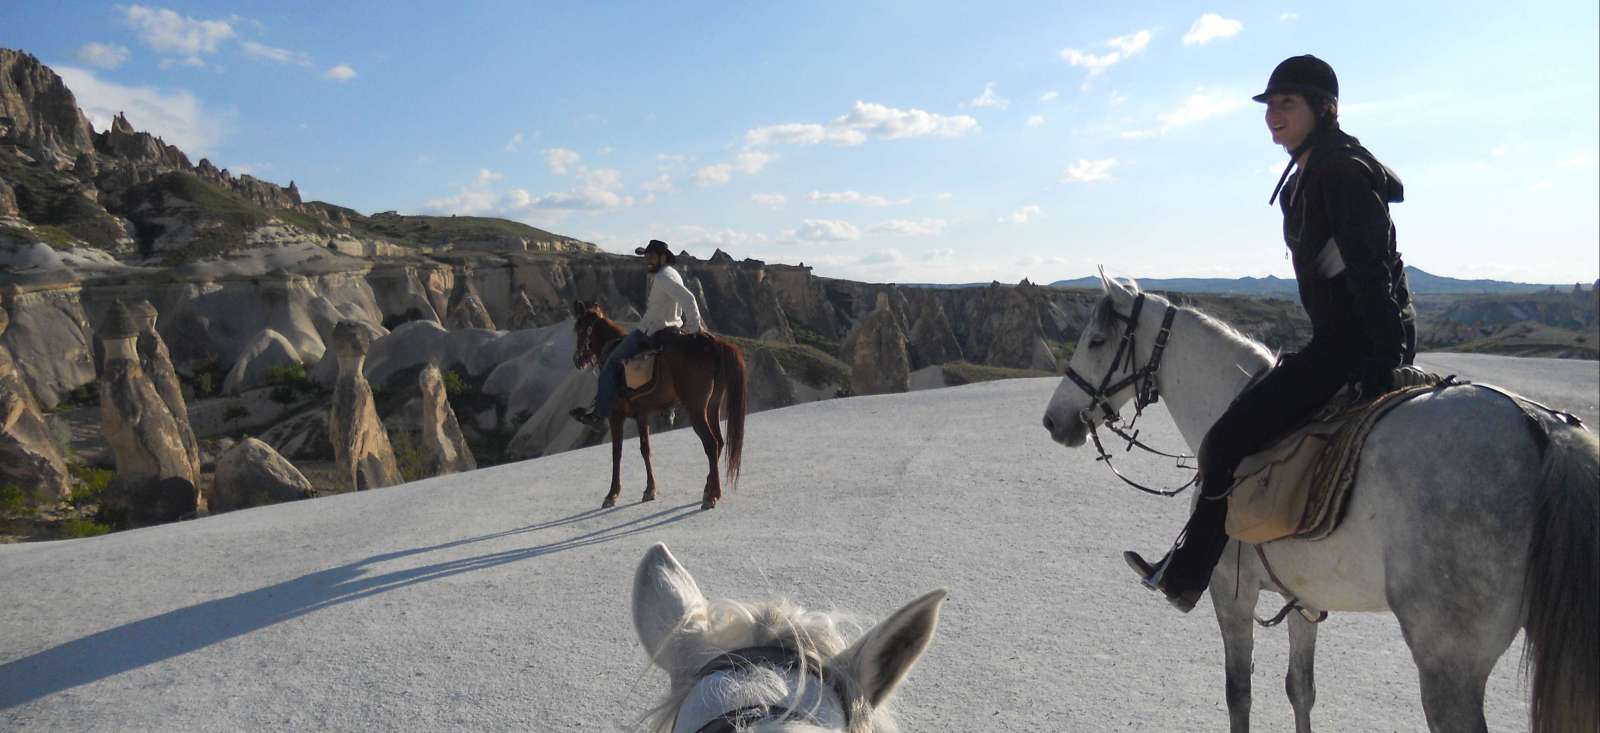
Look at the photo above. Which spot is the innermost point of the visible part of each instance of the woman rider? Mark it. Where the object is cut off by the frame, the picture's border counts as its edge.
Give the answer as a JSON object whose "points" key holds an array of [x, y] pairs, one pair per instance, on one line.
{"points": [[1352, 284]]}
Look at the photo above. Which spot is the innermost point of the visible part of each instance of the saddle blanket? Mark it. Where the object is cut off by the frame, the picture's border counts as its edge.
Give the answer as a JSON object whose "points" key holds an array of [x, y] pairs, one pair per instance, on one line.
{"points": [[640, 370], [1299, 486]]}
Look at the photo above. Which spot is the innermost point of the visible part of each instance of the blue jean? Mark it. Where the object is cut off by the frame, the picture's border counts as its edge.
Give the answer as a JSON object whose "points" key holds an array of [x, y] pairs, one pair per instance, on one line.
{"points": [[611, 373]]}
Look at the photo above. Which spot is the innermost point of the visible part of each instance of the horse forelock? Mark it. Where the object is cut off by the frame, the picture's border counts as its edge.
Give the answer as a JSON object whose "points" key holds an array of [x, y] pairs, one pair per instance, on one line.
{"points": [[721, 626]]}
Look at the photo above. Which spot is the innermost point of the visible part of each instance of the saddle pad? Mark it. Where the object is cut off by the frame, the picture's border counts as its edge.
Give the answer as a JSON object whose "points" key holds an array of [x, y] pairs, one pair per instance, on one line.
{"points": [[1300, 485], [640, 370]]}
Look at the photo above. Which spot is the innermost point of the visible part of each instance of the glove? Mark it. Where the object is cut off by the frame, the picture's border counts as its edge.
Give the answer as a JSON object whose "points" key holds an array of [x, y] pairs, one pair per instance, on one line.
{"points": [[1375, 376]]}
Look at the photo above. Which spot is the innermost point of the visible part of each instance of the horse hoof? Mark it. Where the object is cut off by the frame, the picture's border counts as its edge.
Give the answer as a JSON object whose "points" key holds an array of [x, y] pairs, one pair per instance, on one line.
{"points": [[611, 501], [648, 496], [708, 504]]}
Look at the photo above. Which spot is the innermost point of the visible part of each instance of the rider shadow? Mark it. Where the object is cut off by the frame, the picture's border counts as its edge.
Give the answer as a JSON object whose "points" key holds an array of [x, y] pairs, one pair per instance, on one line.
{"points": [[158, 638]]}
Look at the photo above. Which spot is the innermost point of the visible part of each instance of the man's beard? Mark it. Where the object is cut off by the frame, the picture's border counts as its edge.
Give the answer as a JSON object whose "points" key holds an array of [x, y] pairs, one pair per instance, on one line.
{"points": [[653, 267]]}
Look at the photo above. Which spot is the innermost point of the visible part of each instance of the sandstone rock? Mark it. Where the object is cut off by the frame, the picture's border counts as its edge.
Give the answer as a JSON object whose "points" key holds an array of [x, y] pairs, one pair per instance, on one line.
{"points": [[523, 314], [302, 437], [444, 449], [157, 364], [29, 458], [931, 339], [551, 430], [363, 457], [267, 351], [38, 110], [8, 200], [153, 465], [251, 474], [876, 353], [466, 307], [770, 386]]}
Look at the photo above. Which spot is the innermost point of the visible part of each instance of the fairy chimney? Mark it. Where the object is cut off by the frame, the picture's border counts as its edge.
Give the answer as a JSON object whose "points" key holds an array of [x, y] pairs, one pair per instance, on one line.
{"points": [[157, 363], [444, 448], [29, 458], [466, 308], [363, 457]]}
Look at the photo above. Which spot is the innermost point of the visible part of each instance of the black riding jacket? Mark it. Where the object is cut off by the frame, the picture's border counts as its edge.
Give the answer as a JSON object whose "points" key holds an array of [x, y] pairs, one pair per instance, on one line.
{"points": [[1336, 224]]}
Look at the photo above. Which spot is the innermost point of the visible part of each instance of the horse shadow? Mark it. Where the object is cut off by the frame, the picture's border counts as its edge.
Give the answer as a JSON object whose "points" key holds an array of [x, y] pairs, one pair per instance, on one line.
{"points": [[175, 633]]}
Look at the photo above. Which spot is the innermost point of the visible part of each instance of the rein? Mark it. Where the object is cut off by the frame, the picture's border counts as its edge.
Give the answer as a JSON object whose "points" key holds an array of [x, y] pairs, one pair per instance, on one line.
{"points": [[1145, 392], [584, 356], [778, 657]]}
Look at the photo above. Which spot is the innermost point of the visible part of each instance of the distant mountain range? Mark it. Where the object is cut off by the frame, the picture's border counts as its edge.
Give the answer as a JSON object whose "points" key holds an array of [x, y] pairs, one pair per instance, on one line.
{"points": [[1421, 283]]}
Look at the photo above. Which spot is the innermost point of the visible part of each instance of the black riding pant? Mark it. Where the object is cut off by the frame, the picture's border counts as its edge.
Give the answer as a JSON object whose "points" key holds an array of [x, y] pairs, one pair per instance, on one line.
{"points": [[1266, 411]]}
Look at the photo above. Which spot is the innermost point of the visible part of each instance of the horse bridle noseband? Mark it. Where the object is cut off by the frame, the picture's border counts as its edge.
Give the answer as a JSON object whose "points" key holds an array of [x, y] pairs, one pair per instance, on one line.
{"points": [[582, 355], [777, 657], [1145, 393]]}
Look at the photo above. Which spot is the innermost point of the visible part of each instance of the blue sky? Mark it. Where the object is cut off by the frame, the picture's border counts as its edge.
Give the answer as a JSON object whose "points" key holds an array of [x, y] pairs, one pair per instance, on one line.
{"points": [[896, 141]]}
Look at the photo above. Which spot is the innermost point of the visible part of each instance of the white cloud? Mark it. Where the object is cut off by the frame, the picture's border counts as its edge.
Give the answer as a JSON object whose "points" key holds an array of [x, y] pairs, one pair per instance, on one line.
{"points": [[852, 197], [1200, 106], [910, 227], [938, 255], [102, 55], [1022, 215], [695, 235], [864, 121], [825, 230], [768, 199], [193, 62], [277, 55], [1049, 96], [514, 143], [1287, 17], [1498, 151], [714, 175], [1117, 98], [1126, 47], [342, 72], [1035, 120], [884, 257], [1541, 187], [944, 196], [486, 176], [989, 99], [1087, 171], [1584, 159], [596, 191], [1210, 27], [175, 116], [561, 159], [752, 161], [169, 32], [659, 184]]}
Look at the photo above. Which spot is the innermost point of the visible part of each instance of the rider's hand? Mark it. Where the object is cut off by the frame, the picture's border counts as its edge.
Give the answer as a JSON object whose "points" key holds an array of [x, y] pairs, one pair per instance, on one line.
{"points": [[1375, 376]]}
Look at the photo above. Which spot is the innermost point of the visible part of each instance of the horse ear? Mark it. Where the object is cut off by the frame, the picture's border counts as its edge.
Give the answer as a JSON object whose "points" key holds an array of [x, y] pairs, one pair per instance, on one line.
{"points": [[882, 658], [1106, 283], [664, 594], [577, 308]]}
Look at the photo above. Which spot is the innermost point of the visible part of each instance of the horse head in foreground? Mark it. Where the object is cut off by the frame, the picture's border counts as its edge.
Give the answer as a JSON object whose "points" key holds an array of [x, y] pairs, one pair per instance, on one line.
{"points": [[701, 373], [769, 666], [1473, 516]]}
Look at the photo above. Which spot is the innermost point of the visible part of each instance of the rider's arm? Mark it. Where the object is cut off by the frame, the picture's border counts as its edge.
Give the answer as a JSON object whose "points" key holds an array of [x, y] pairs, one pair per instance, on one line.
{"points": [[1362, 230]]}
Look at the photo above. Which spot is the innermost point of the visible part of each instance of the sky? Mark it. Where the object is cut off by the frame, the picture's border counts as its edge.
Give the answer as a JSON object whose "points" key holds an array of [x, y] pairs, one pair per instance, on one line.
{"points": [[887, 141]]}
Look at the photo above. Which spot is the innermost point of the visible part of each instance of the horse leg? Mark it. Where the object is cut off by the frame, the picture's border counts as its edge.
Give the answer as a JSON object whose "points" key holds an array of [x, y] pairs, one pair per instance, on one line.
{"points": [[1233, 595], [1301, 683], [616, 462], [713, 490], [644, 450]]}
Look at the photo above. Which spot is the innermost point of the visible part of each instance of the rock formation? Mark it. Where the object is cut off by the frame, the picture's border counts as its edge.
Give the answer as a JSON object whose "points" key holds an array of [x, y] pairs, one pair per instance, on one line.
{"points": [[363, 458], [267, 351], [444, 449], [523, 314], [157, 364], [155, 479], [29, 458], [770, 387], [37, 111], [876, 353], [8, 200], [251, 474], [466, 308]]}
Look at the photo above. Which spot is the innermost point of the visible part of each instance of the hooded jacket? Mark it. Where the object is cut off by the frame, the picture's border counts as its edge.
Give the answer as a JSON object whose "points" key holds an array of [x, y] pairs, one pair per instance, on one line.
{"points": [[1336, 224]]}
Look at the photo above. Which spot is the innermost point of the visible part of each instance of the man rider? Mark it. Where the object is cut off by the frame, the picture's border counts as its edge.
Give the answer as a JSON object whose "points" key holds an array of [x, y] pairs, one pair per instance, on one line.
{"points": [[1352, 284], [669, 305]]}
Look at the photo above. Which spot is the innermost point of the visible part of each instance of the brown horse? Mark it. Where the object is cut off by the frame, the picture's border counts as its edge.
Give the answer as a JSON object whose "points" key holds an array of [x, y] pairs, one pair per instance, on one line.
{"points": [[698, 373]]}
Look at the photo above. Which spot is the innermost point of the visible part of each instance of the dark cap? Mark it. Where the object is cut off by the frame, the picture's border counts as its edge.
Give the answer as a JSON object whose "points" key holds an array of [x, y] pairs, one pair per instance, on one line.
{"points": [[656, 246], [1306, 75]]}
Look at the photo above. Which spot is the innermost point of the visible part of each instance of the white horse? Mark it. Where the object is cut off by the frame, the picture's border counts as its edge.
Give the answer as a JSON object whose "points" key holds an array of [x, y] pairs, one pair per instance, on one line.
{"points": [[769, 666], [1470, 520]]}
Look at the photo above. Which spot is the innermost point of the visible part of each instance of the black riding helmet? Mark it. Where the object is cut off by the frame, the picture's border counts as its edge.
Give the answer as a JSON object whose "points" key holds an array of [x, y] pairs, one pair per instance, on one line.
{"points": [[1311, 78]]}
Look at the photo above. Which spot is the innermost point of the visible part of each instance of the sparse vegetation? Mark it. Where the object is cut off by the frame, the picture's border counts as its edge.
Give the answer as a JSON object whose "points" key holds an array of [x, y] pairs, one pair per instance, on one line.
{"points": [[92, 483], [408, 455], [14, 502], [959, 373], [806, 363], [234, 412], [78, 528], [290, 384], [83, 395]]}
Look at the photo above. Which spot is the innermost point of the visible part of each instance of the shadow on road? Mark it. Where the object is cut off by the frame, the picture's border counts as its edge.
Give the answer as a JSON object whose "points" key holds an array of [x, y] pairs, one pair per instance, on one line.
{"points": [[139, 643]]}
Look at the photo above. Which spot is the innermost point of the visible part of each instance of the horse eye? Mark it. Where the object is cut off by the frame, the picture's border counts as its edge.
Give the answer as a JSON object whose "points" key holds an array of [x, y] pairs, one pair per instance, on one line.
{"points": [[1096, 341]]}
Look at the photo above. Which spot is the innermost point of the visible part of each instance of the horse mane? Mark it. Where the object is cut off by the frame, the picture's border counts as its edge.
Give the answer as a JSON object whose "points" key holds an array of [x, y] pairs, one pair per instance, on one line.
{"points": [[719, 626], [1105, 311]]}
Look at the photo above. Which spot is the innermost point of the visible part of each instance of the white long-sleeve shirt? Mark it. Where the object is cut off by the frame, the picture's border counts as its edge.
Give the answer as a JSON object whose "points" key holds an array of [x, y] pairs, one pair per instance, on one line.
{"points": [[670, 304]]}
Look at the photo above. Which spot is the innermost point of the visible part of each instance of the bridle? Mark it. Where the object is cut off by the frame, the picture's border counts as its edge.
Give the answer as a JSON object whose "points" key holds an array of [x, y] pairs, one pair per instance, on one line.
{"points": [[585, 356], [809, 705], [1145, 393]]}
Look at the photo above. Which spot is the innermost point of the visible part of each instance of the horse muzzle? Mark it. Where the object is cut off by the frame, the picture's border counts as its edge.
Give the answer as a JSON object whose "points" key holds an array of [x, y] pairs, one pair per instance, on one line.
{"points": [[1070, 433]]}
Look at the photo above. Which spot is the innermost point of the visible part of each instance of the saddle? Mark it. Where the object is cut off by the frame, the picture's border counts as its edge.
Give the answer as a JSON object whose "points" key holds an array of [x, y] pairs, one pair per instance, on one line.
{"points": [[639, 372], [1300, 486]]}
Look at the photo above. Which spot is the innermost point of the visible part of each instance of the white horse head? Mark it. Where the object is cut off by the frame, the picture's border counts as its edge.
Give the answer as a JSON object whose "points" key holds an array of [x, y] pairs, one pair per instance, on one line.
{"points": [[769, 666], [1072, 409]]}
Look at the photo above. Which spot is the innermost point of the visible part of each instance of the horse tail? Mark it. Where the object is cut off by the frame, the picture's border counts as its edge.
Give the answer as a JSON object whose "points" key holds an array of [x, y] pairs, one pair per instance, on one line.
{"points": [[731, 379], [1562, 649]]}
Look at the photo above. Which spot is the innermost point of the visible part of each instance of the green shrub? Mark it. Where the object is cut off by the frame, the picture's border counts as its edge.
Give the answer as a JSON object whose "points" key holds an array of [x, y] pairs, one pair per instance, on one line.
{"points": [[454, 385], [234, 412], [79, 528], [408, 455], [13, 502], [959, 373], [91, 481]]}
